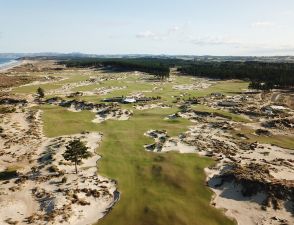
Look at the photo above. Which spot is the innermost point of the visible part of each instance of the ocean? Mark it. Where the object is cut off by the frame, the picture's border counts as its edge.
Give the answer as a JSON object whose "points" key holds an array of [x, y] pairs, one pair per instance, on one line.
{"points": [[4, 62]]}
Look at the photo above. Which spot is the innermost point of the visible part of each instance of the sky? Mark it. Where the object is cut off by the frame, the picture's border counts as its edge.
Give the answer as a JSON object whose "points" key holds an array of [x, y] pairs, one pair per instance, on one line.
{"points": [[185, 27]]}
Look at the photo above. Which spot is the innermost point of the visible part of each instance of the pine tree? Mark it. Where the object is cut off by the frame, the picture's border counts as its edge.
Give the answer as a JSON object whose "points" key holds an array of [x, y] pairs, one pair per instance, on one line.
{"points": [[40, 92], [75, 152]]}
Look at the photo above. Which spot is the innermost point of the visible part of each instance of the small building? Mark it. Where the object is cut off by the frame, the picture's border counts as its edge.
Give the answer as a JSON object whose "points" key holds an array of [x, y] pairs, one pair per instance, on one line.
{"points": [[129, 100]]}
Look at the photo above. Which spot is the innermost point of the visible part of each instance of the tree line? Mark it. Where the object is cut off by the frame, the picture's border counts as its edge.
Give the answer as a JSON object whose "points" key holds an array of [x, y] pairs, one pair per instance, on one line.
{"points": [[263, 75], [158, 67]]}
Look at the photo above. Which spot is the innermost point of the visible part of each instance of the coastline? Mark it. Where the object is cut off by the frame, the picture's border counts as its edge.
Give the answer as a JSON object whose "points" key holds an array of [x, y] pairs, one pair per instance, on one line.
{"points": [[9, 65]]}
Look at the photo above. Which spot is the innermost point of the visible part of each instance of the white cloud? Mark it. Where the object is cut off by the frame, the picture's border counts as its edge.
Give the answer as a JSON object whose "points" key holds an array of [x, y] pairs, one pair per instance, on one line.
{"points": [[158, 36], [211, 40], [172, 32], [243, 46], [262, 24], [173, 29], [146, 34], [236, 44]]}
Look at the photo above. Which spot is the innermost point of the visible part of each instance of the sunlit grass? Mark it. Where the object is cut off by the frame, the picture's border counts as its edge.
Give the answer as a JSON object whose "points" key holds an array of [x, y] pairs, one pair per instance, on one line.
{"points": [[227, 114], [278, 140], [155, 188]]}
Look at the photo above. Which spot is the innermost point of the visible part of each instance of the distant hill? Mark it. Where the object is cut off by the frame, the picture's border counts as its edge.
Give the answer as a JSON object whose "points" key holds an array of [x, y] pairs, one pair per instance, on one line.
{"points": [[205, 58]]}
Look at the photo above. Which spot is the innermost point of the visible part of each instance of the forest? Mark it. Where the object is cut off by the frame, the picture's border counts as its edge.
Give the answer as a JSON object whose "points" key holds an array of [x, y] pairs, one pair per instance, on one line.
{"points": [[263, 75], [158, 67]]}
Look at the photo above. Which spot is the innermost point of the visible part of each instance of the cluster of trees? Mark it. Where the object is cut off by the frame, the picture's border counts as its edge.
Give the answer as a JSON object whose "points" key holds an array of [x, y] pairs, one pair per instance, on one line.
{"points": [[261, 85], [158, 67], [261, 74]]}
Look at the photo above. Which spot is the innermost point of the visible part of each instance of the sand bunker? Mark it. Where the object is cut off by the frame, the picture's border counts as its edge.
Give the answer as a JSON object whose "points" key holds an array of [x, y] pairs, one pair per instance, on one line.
{"points": [[39, 187], [213, 139], [266, 169], [163, 143], [151, 106], [107, 90], [192, 87], [112, 114]]}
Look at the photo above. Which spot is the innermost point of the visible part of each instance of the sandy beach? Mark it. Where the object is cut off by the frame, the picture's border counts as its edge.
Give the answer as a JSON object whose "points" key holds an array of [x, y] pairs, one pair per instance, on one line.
{"points": [[8, 66]]}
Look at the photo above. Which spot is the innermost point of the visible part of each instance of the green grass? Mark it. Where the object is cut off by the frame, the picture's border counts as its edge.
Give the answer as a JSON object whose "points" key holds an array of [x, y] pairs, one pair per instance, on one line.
{"points": [[230, 87], [231, 116], [157, 189], [31, 89], [278, 140]]}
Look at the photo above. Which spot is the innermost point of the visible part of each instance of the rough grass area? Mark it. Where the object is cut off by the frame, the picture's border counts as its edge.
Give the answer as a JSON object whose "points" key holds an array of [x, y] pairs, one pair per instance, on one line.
{"points": [[70, 78], [278, 140], [231, 116], [230, 87], [156, 189], [31, 89], [10, 81]]}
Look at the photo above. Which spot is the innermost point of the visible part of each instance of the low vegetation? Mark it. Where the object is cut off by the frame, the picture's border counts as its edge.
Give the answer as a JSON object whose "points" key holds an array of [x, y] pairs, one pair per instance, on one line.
{"points": [[40, 92]]}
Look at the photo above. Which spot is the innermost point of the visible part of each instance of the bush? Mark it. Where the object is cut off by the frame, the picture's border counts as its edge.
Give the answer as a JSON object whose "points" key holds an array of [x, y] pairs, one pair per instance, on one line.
{"points": [[53, 169], [8, 174], [41, 92], [64, 180]]}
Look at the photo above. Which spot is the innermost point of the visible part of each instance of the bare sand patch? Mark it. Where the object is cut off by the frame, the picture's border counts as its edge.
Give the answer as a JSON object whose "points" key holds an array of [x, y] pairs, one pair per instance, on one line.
{"points": [[44, 188], [112, 114], [151, 106], [201, 84]]}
